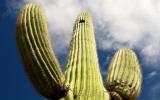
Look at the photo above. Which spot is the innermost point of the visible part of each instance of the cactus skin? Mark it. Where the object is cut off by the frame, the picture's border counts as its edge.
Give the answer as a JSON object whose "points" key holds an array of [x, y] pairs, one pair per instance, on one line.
{"points": [[82, 72], [124, 75], [82, 79], [35, 48]]}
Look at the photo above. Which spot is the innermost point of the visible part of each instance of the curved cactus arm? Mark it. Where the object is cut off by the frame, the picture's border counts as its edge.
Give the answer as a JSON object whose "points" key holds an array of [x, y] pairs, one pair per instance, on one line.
{"points": [[36, 51], [124, 76], [82, 71]]}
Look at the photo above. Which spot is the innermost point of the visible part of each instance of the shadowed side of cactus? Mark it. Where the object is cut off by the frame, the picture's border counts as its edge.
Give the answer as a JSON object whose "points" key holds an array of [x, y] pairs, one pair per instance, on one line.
{"points": [[124, 76], [82, 72], [36, 51]]}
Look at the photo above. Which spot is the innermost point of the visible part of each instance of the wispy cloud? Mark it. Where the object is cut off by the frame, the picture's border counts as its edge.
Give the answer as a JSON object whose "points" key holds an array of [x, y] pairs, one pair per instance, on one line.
{"points": [[151, 75], [118, 23]]}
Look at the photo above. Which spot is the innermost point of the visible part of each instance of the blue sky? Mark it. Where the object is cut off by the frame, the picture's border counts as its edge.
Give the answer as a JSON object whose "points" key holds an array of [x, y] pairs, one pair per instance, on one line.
{"points": [[14, 82]]}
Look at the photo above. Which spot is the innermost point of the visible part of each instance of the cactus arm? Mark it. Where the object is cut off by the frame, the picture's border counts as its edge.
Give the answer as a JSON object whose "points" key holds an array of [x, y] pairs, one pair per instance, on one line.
{"points": [[82, 71], [36, 51], [124, 75]]}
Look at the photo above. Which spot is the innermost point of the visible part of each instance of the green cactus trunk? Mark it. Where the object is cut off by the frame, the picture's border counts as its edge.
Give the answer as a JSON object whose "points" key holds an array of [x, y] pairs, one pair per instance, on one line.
{"points": [[82, 73], [82, 79], [124, 75]]}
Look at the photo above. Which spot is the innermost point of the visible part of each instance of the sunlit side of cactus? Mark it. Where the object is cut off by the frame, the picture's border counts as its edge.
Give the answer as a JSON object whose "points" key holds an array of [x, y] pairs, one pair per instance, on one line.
{"points": [[124, 75]]}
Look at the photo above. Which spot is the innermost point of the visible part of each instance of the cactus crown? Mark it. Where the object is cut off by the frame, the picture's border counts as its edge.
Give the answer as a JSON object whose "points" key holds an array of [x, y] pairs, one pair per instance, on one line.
{"points": [[82, 79]]}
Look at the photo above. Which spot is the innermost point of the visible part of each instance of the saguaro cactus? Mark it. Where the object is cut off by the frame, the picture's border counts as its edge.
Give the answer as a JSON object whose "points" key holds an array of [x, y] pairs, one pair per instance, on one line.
{"points": [[82, 79], [124, 75]]}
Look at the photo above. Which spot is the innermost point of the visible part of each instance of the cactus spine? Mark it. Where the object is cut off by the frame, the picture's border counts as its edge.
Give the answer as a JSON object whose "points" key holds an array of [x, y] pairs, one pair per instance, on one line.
{"points": [[82, 79], [124, 75]]}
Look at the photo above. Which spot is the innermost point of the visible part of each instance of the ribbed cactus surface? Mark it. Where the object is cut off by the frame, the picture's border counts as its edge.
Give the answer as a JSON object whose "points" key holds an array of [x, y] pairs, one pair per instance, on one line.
{"points": [[82, 72], [35, 48], [124, 75], [82, 79]]}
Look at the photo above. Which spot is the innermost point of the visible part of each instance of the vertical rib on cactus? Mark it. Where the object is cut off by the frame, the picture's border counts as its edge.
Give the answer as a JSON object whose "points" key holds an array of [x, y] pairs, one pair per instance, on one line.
{"points": [[39, 59], [124, 75], [82, 72]]}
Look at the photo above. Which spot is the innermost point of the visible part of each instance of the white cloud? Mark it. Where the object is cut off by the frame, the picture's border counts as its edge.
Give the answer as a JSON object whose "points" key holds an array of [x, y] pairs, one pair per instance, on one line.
{"points": [[118, 23]]}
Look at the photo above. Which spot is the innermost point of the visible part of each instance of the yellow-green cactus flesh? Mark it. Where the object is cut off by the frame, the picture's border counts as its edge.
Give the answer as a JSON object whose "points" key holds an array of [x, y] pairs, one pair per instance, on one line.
{"points": [[124, 75]]}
